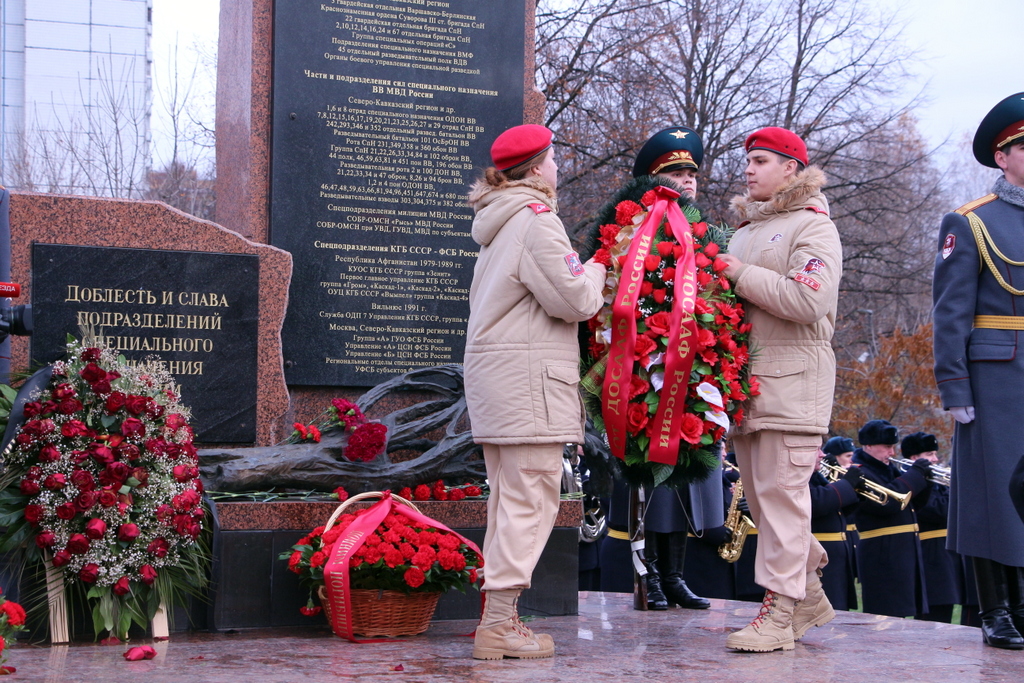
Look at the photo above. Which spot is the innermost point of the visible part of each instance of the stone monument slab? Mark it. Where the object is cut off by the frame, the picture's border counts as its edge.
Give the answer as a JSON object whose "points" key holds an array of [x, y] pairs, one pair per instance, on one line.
{"points": [[196, 312]]}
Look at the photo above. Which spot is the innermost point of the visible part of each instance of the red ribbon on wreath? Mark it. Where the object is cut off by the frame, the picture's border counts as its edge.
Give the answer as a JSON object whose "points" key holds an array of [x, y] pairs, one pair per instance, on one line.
{"points": [[664, 445]]}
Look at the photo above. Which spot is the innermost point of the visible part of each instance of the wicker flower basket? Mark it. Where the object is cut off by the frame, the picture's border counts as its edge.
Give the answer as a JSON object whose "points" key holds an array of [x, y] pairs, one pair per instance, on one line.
{"points": [[386, 613], [382, 612]]}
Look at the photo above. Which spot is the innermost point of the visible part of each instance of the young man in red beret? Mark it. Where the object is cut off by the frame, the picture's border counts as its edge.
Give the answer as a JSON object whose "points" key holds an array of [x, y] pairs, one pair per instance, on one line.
{"points": [[785, 262]]}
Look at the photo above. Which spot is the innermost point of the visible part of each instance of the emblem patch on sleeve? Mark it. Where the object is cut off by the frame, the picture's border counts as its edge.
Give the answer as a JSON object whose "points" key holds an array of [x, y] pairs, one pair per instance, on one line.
{"points": [[775, 238], [948, 245], [573, 261], [814, 265], [810, 282], [539, 208]]}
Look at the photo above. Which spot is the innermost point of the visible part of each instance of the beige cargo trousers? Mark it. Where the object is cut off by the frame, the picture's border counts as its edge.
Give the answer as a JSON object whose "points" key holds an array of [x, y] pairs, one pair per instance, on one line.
{"points": [[525, 482], [776, 469]]}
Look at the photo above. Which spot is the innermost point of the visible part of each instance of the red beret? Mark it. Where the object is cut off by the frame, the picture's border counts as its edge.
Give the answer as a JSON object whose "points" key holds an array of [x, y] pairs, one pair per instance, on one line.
{"points": [[779, 140], [520, 144]]}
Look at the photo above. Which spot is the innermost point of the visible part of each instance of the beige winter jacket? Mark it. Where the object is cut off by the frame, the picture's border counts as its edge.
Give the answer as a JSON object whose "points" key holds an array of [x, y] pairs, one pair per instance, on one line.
{"points": [[529, 291], [789, 283]]}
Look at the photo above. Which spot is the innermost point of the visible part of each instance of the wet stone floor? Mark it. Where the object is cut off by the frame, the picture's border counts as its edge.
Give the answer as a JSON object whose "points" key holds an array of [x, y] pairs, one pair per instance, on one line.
{"points": [[608, 641]]}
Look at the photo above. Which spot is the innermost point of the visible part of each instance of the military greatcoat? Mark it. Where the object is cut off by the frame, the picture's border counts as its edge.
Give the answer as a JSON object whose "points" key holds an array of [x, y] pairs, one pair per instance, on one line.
{"points": [[982, 367]]}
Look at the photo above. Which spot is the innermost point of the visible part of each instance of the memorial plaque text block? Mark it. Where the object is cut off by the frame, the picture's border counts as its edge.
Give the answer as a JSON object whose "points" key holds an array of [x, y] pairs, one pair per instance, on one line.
{"points": [[383, 112], [196, 312]]}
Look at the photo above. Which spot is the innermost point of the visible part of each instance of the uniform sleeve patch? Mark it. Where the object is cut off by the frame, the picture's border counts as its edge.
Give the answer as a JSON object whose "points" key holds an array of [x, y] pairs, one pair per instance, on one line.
{"points": [[810, 282], [539, 208], [948, 245], [814, 265], [573, 261], [817, 209]]}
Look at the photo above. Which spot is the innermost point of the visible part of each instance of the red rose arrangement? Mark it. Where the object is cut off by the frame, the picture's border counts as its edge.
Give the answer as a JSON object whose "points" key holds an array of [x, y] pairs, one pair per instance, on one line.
{"points": [[719, 379], [12, 620], [398, 556], [366, 439], [103, 483]]}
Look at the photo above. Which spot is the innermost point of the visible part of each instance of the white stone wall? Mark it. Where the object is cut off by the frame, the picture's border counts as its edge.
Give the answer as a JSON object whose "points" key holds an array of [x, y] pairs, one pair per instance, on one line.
{"points": [[76, 94]]}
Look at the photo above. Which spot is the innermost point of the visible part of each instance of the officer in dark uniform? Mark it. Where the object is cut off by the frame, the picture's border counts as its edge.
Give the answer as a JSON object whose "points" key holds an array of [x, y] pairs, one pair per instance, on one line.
{"points": [[831, 501], [889, 560], [978, 317], [706, 572], [839, 451], [943, 574]]}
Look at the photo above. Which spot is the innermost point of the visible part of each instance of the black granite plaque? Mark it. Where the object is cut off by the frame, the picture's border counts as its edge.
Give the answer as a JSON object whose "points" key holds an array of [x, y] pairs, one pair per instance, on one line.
{"points": [[383, 113], [197, 312]]}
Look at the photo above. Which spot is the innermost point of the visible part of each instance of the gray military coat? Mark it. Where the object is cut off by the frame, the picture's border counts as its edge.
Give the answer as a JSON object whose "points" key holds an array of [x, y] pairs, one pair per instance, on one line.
{"points": [[983, 368]]}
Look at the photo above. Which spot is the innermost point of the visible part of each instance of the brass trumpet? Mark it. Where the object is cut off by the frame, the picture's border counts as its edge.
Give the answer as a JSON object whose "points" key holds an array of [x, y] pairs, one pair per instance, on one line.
{"points": [[873, 491], [940, 475]]}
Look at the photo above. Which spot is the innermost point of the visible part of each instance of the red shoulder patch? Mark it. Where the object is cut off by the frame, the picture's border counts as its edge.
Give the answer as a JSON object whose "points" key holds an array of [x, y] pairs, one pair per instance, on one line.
{"points": [[810, 282], [816, 209], [539, 208]]}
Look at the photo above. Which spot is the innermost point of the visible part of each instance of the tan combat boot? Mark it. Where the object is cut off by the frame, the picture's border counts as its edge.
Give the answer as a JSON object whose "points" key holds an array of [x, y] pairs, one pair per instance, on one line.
{"points": [[814, 609], [770, 630], [501, 634]]}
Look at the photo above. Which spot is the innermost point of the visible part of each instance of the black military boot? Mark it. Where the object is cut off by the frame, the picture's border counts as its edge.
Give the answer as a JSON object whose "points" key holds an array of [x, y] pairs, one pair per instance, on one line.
{"points": [[997, 627], [1015, 583], [672, 554], [656, 599]]}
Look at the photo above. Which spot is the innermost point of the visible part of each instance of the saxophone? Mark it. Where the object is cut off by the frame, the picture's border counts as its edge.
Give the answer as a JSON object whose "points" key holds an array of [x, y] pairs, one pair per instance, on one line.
{"points": [[738, 524]]}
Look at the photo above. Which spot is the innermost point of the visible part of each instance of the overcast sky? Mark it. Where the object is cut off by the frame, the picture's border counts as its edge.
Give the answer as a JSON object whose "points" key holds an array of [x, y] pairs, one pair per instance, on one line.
{"points": [[970, 53]]}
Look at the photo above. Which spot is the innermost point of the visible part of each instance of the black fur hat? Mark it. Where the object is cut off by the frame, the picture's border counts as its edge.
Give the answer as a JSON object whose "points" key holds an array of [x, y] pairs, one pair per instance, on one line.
{"points": [[878, 432]]}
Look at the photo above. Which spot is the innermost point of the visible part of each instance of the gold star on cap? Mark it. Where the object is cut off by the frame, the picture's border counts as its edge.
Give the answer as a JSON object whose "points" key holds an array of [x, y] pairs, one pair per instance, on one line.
{"points": [[678, 134]]}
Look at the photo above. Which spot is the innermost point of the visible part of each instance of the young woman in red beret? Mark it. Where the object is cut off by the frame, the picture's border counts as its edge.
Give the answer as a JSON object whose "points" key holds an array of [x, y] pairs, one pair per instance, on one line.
{"points": [[521, 371]]}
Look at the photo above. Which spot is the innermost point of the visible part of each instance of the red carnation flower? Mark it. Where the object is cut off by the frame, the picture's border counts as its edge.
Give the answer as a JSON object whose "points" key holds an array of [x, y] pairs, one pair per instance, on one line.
{"points": [[473, 491], [341, 493], [15, 613], [603, 256], [609, 234], [406, 493], [649, 198], [414, 576], [625, 212], [456, 494]]}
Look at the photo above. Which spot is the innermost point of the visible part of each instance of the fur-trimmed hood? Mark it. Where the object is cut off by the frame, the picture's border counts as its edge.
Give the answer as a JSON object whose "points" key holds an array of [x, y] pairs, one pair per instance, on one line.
{"points": [[803, 190], [479, 190], [495, 205]]}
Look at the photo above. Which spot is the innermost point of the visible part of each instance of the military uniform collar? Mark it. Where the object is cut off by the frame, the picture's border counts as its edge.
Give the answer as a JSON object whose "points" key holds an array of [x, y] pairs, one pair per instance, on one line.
{"points": [[1008, 192]]}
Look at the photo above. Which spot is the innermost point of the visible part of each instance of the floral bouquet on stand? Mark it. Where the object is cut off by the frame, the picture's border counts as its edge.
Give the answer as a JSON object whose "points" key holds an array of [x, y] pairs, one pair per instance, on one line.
{"points": [[102, 488], [666, 358], [392, 577]]}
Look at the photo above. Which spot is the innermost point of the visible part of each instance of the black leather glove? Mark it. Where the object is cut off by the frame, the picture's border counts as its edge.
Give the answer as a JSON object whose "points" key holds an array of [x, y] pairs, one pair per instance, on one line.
{"points": [[924, 466], [716, 536], [742, 506], [854, 477]]}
